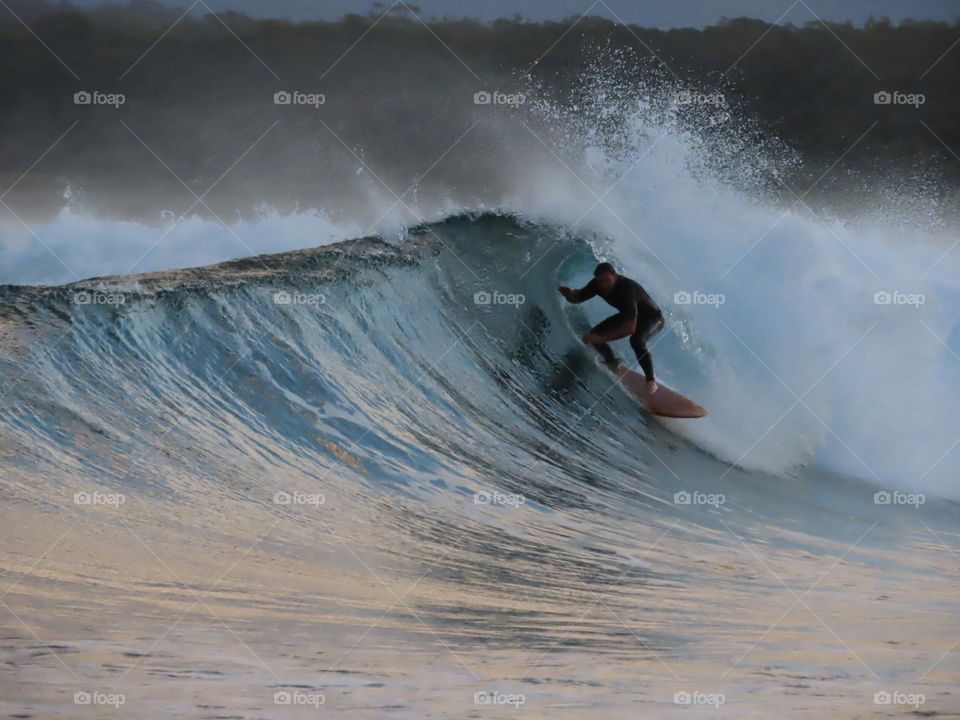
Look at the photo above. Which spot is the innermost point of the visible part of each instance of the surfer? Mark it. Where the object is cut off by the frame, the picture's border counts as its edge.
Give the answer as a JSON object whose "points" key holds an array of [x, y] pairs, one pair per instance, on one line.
{"points": [[638, 318]]}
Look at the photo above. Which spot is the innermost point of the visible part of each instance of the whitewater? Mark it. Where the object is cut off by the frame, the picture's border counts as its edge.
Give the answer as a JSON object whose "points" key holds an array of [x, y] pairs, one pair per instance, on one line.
{"points": [[365, 462]]}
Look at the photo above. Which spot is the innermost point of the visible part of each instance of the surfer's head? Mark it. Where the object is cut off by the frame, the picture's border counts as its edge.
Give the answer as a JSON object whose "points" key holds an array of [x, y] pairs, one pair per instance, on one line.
{"points": [[605, 276]]}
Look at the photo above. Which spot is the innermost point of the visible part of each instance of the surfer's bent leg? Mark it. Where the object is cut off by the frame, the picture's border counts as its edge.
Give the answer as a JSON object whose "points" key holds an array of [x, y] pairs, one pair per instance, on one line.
{"points": [[638, 341], [603, 348]]}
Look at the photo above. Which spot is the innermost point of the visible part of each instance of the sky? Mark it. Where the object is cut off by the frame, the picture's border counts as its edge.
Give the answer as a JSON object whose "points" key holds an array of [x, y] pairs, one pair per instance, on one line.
{"points": [[649, 13]]}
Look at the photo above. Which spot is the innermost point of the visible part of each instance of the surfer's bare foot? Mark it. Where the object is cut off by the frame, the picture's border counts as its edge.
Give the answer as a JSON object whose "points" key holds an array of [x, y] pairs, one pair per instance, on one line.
{"points": [[652, 387]]}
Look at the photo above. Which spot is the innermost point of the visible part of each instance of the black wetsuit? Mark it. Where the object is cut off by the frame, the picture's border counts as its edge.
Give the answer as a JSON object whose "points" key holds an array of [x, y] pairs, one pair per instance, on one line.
{"points": [[629, 297]]}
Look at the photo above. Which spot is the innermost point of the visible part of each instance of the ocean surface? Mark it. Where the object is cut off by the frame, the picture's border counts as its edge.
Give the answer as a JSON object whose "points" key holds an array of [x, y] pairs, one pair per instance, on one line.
{"points": [[386, 480], [349, 458]]}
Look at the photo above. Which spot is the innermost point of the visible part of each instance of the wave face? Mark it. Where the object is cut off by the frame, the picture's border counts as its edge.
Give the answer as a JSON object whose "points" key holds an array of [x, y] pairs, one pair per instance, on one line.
{"points": [[160, 344], [437, 364]]}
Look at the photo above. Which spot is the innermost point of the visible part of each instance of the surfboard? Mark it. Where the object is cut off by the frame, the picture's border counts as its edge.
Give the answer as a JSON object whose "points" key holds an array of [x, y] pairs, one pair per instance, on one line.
{"points": [[665, 402]]}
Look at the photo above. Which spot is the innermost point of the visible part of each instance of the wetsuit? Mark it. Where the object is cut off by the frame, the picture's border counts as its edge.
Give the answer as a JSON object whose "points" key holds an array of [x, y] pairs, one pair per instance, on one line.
{"points": [[629, 297]]}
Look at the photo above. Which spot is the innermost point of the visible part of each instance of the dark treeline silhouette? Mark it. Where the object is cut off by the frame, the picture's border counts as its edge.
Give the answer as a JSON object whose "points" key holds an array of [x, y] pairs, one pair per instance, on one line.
{"points": [[396, 88]]}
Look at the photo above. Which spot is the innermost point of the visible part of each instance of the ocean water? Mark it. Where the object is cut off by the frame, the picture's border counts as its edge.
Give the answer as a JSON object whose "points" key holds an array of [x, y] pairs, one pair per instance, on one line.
{"points": [[343, 475], [382, 478]]}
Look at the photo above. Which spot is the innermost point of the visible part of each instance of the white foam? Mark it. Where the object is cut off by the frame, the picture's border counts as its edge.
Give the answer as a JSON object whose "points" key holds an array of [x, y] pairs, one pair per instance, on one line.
{"points": [[800, 365], [74, 246]]}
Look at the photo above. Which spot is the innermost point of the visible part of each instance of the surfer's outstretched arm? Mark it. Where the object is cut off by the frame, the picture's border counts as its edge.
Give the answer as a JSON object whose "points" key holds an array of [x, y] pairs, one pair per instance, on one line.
{"points": [[578, 296]]}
